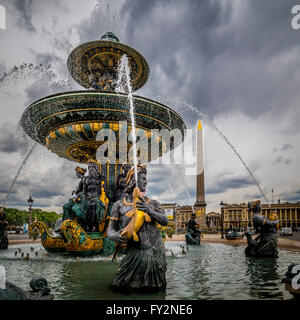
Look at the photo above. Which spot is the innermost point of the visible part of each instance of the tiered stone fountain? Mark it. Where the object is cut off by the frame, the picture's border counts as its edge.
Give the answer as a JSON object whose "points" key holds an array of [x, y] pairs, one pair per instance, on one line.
{"points": [[69, 123]]}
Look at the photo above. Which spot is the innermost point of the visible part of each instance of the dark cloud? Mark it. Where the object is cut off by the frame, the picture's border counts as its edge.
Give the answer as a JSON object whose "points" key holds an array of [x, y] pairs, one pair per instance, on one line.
{"points": [[229, 183], [216, 55], [292, 196]]}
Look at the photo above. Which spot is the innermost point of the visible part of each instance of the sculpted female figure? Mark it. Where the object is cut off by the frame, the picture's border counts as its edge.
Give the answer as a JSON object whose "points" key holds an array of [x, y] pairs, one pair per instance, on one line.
{"points": [[265, 245], [144, 265]]}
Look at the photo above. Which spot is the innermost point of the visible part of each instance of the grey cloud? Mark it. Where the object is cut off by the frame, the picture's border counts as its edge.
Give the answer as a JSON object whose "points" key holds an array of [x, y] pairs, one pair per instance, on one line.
{"points": [[292, 196], [278, 159], [229, 183], [215, 59], [287, 146], [287, 161], [25, 9], [8, 141], [281, 159], [100, 21]]}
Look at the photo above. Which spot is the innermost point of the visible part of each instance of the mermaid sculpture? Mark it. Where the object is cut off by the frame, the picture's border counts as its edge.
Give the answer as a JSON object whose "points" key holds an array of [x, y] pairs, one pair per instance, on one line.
{"points": [[144, 265], [265, 245]]}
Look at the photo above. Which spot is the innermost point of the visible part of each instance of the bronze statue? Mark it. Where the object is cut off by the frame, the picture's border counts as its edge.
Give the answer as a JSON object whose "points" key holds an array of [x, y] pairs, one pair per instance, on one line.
{"points": [[87, 208], [265, 245], [92, 186], [68, 213], [193, 234], [144, 265]]}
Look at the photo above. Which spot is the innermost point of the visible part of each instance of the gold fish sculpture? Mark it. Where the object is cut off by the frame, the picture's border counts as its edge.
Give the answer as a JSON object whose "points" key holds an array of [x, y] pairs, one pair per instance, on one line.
{"points": [[137, 217]]}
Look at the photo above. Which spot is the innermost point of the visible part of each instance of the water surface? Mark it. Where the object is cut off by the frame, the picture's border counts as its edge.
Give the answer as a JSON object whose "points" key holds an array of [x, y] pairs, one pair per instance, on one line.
{"points": [[209, 271]]}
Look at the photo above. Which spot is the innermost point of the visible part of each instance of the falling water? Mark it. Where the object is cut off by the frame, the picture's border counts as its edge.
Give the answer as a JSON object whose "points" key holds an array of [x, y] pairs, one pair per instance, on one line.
{"points": [[124, 79], [18, 173], [202, 115], [105, 19]]}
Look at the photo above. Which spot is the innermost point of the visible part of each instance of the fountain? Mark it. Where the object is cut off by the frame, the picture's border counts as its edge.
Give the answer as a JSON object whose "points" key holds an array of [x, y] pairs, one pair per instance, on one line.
{"points": [[75, 125]]}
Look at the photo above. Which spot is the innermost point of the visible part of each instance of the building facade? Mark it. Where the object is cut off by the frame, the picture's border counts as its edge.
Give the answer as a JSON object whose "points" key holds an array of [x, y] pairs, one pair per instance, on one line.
{"points": [[213, 221], [181, 215], [238, 216]]}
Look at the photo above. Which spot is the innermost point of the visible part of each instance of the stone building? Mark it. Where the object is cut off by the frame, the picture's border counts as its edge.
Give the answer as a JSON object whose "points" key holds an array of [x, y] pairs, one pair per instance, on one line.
{"points": [[170, 210], [237, 215], [181, 215], [213, 221], [288, 213]]}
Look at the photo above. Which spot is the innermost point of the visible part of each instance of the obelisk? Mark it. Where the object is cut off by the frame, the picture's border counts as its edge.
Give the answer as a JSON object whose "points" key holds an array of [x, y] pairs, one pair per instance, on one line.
{"points": [[200, 204]]}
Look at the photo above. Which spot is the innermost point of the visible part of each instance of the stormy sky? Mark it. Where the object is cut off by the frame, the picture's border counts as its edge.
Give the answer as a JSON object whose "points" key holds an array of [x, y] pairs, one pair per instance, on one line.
{"points": [[233, 64]]}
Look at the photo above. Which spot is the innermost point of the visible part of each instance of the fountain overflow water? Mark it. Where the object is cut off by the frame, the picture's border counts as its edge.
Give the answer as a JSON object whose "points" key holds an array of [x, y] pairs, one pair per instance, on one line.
{"points": [[124, 76]]}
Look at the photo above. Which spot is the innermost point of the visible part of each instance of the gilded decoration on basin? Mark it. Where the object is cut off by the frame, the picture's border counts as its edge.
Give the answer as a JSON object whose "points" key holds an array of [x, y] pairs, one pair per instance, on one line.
{"points": [[48, 241], [77, 239]]}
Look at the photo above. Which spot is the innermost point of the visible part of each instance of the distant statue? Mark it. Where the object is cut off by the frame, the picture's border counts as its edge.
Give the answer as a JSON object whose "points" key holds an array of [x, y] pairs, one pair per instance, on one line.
{"points": [[133, 222], [265, 245], [193, 234], [3, 232], [234, 235]]}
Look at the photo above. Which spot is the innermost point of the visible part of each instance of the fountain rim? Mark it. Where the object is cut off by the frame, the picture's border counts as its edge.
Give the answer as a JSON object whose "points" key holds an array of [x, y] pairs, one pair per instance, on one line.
{"points": [[96, 92]]}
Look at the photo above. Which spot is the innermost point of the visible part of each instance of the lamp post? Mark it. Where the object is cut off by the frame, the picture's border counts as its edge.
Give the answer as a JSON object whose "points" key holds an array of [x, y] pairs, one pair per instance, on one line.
{"points": [[222, 219], [30, 202]]}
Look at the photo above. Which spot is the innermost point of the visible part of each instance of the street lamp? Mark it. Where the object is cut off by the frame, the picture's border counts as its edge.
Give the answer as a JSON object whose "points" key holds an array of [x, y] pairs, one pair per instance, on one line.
{"points": [[222, 219], [30, 202]]}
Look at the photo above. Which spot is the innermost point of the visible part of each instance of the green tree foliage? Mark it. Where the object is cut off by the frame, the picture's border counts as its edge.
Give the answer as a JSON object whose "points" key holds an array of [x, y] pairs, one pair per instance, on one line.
{"points": [[18, 217]]}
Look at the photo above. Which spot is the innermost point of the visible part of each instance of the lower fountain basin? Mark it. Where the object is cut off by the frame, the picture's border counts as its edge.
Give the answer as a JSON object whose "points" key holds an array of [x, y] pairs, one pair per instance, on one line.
{"points": [[68, 123]]}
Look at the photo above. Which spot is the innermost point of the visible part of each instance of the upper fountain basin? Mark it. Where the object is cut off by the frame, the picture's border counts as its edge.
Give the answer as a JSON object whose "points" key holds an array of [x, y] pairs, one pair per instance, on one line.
{"points": [[95, 63]]}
